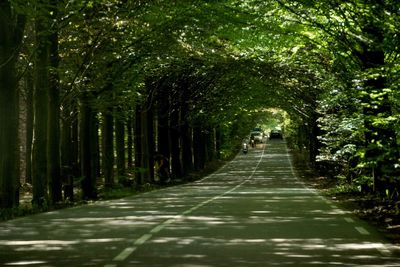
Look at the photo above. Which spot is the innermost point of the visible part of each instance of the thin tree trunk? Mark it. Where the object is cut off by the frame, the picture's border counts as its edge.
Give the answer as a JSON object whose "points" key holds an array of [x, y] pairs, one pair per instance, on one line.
{"points": [[108, 149], [75, 164], [120, 145], [86, 134], [147, 145], [198, 148], [67, 154], [29, 126], [163, 138], [218, 141], [210, 144], [176, 165], [138, 146], [187, 154], [129, 141], [151, 142]]}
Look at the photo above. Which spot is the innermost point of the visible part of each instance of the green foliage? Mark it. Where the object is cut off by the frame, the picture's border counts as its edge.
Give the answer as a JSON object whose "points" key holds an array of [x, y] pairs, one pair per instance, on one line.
{"points": [[232, 61]]}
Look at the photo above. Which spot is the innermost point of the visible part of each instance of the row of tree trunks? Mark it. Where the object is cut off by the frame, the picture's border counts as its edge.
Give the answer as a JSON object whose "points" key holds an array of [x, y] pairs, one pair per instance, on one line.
{"points": [[187, 148], [61, 146]]}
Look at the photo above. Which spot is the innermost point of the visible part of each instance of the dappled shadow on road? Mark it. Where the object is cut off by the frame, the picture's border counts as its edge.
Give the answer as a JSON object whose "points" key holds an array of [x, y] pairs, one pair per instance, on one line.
{"points": [[252, 212]]}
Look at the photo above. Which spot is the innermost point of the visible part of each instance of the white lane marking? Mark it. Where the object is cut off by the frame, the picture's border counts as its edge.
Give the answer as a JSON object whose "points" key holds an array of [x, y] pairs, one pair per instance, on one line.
{"points": [[383, 249], [349, 220], [129, 250], [362, 230], [124, 254], [157, 229], [143, 239]]}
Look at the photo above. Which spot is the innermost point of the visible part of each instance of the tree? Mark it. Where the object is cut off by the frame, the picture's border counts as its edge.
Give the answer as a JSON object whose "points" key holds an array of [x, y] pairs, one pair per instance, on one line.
{"points": [[12, 23], [363, 34], [53, 126]]}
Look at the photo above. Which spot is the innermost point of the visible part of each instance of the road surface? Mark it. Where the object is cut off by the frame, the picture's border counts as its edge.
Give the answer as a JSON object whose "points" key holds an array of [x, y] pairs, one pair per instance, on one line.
{"points": [[251, 212]]}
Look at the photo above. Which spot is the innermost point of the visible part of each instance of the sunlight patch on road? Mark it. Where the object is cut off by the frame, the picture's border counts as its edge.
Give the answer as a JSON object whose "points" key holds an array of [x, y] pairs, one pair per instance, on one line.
{"points": [[25, 263], [38, 242]]}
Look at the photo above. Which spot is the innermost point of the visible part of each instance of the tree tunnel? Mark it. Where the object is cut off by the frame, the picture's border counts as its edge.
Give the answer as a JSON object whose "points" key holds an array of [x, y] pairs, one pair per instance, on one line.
{"points": [[188, 79]]}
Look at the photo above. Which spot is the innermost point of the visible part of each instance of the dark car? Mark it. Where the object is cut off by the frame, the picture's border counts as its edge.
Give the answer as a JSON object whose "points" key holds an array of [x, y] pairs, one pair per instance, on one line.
{"points": [[276, 134]]}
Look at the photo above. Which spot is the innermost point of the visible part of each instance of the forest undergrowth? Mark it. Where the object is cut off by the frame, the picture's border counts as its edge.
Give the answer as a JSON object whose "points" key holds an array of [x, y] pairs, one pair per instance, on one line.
{"points": [[380, 212]]}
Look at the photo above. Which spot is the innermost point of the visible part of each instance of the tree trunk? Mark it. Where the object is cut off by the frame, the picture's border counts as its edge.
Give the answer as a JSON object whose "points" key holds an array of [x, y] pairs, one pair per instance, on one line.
{"points": [[210, 144], [129, 141], [53, 128], [120, 145], [39, 151], [198, 148], [138, 145], [66, 159], [176, 165], [163, 138], [29, 126], [187, 154], [86, 134], [218, 141], [11, 32], [147, 145], [108, 149]]}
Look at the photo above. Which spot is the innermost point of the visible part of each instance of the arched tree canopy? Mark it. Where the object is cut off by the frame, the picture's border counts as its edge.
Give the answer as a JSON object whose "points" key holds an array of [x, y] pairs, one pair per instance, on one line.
{"points": [[199, 66]]}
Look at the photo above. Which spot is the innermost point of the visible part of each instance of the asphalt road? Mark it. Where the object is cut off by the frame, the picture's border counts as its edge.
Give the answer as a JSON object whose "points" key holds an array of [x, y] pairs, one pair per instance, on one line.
{"points": [[252, 212]]}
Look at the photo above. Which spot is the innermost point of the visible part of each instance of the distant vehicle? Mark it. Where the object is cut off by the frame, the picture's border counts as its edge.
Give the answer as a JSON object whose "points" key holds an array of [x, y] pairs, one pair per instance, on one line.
{"points": [[245, 148], [276, 134], [257, 136]]}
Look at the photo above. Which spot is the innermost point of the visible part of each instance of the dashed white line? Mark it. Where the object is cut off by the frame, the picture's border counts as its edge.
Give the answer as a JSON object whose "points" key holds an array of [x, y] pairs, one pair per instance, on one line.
{"points": [[143, 239], [129, 250], [349, 220], [362, 230], [124, 254], [157, 229]]}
